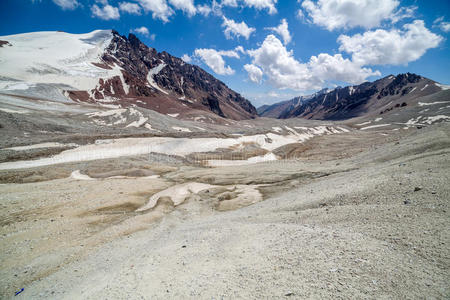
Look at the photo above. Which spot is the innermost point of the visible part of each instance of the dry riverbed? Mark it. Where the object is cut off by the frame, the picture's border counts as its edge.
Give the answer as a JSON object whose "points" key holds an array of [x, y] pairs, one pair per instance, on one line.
{"points": [[370, 221]]}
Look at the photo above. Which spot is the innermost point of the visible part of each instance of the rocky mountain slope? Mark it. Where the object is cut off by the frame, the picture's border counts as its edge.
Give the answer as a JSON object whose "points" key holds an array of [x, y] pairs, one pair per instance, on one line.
{"points": [[275, 110], [103, 67], [368, 98]]}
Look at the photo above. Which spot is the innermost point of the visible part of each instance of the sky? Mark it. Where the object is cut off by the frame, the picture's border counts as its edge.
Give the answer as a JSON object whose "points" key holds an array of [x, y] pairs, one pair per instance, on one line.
{"points": [[267, 50]]}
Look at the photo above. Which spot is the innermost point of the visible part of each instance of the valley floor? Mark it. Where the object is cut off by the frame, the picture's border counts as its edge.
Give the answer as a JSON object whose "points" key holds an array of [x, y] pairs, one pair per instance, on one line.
{"points": [[370, 221]]}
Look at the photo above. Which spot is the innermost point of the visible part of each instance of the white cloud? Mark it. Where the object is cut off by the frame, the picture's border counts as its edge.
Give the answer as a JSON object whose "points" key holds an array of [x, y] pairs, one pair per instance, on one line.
{"points": [[145, 32], [107, 12], [445, 26], [186, 58], [283, 31], [334, 14], [284, 71], [262, 4], [229, 53], [159, 9], [186, 6], [403, 13], [300, 15], [204, 10], [257, 4], [336, 68], [214, 59], [232, 3], [441, 24], [67, 4], [236, 29], [131, 8], [390, 47], [255, 74], [239, 49]]}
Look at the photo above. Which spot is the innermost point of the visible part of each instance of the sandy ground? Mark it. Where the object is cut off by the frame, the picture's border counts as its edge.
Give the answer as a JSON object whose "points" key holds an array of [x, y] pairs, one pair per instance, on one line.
{"points": [[370, 221]]}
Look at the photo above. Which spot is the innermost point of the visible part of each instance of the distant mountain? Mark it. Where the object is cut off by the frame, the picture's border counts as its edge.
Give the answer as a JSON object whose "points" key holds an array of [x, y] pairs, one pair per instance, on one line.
{"points": [[105, 68], [275, 110], [352, 101]]}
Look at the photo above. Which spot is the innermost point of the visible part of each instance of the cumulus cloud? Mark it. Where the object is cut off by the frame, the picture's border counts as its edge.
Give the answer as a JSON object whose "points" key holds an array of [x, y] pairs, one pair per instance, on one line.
{"points": [[186, 6], [336, 68], [106, 12], [159, 9], [335, 14], [214, 59], [131, 8], [390, 47], [236, 29], [67, 4], [186, 58], [283, 31], [284, 71], [255, 74]]}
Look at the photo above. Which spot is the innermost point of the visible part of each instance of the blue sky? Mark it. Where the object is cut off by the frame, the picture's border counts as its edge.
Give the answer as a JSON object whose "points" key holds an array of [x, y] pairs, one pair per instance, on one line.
{"points": [[332, 42]]}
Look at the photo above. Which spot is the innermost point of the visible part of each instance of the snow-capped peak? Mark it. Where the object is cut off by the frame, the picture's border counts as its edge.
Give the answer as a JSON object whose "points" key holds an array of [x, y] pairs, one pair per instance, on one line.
{"points": [[56, 57]]}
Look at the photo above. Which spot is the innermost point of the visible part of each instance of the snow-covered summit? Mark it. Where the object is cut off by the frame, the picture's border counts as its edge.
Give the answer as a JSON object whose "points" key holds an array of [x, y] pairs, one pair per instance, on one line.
{"points": [[106, 68], [56, 57]]}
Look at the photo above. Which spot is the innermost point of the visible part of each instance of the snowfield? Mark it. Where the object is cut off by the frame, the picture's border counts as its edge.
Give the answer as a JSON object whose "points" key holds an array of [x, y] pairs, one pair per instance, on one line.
{"points": [[113, 148], [50, 63]]}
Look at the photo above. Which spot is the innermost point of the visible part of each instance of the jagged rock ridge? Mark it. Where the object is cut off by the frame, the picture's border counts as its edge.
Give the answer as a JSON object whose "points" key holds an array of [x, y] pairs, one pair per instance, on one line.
{"points": [[352, 101], [162, 82]]}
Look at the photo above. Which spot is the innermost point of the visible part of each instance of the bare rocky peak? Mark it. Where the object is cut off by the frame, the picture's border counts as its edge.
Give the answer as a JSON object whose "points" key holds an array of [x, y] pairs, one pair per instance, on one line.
{"points": [[162, 82]]}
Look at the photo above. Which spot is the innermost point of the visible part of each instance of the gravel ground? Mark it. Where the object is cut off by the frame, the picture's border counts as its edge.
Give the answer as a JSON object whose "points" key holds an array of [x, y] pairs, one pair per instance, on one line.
{"points": [[370, 224]]}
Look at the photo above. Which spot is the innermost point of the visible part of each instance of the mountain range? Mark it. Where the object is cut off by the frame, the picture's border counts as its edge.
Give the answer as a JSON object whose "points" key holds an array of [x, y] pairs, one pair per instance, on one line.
{"points": [[106, 68], [115, 71], [348, 102]]}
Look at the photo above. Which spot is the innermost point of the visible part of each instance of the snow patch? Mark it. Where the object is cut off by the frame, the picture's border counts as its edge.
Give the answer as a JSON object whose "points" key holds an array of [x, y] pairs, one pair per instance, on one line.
{"points": [[252, 160], [58, 58], [351, 90], [443, 87], [182, 129], [177, 193], [247, 194], [374, 126], [365, 123], [153, 72], [78, 176], [108, 113], [431, 103], [138, 123], [149, 127], [431, 120], [277, 129], [113, 148]]}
